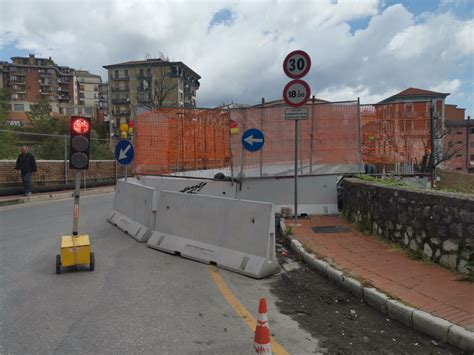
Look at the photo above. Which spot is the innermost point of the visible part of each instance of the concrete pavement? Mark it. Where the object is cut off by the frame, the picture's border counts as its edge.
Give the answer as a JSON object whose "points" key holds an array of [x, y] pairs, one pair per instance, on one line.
{"points": [[136, 300]]}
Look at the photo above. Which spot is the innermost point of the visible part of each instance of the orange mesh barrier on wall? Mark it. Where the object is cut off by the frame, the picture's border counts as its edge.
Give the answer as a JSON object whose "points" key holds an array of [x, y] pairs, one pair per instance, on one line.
{"points": [[176, 139], [328, 138], [395, 133]]}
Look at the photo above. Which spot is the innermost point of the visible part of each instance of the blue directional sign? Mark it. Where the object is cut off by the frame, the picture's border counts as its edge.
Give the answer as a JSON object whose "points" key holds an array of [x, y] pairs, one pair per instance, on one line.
{"points": [[124, 152], [253, 139]]}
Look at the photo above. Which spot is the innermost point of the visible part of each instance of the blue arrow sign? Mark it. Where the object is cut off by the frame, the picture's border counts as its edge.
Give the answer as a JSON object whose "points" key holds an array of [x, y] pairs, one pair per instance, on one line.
{"points": [[124, 152], [253, 139]]}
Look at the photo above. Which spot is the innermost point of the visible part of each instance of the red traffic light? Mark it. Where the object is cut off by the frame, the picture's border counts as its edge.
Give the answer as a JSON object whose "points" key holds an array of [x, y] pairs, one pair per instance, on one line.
{"points": [[80, 125]]}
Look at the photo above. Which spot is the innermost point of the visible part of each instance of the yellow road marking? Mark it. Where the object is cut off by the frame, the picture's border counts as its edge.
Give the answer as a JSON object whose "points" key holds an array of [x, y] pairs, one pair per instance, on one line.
{"points": [[240, 309]]}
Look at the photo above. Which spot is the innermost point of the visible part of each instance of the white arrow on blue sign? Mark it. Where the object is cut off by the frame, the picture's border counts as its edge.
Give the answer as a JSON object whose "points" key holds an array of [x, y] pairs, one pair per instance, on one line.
{"points": [[124, 152], [253, 139]]}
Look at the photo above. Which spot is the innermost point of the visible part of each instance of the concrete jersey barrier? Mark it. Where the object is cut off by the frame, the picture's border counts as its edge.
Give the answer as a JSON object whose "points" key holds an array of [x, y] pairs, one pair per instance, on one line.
{"points": [[133, 206], [237, 235]]}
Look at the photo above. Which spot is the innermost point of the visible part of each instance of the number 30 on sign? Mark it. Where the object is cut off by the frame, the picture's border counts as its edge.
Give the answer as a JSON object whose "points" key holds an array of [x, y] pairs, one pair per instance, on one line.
{"points": [[297, 64]]}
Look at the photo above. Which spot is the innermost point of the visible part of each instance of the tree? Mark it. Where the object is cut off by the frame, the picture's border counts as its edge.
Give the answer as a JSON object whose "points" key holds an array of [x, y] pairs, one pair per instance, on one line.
{"points": [[5, 106], [40, 116], [162, 87]]}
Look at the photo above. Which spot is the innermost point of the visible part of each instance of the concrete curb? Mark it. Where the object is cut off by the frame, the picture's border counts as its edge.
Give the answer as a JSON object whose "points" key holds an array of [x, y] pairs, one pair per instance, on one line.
{"points": [[437, 328], [16, 200]]}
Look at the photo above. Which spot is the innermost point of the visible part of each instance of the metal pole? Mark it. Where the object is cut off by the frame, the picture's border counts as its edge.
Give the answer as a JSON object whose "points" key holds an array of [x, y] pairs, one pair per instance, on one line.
{"points": [[468, 143], [313, 100], [296, 172], [125, 168], [360, 133], [230, 146], [77, 192], [261, 127], [432, 162], [65, 159]]}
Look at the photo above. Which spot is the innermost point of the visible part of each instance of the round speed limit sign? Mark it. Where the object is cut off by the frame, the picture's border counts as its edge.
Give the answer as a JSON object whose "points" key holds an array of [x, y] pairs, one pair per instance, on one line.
{"points": [[296, 93], [297, 64]]}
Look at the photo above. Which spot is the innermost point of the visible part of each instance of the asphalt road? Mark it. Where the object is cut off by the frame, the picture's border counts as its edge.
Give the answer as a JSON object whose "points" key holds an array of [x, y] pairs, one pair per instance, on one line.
{"points": [[138, 300]]}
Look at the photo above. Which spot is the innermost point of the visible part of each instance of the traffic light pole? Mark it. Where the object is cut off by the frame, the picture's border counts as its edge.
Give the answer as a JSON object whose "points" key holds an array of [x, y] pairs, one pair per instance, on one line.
{"points": [[77, 192]]}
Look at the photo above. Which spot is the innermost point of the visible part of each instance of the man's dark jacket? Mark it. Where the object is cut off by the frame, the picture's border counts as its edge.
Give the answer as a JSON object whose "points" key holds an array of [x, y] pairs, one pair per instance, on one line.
{"points": [[26, 163]]}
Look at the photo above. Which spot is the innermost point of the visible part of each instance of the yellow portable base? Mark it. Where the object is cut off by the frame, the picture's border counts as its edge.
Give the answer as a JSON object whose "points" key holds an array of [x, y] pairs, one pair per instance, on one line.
{"points": [[75, 250]]}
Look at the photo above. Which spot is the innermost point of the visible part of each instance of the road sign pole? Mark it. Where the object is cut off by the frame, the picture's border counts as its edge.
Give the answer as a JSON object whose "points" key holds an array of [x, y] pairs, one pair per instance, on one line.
{"points": [[125, 168], [77, 191], [296, 172]]}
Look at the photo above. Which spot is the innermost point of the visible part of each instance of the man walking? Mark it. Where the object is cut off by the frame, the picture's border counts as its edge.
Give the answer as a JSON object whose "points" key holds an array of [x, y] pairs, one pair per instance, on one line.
{"points": [[26, 163]]}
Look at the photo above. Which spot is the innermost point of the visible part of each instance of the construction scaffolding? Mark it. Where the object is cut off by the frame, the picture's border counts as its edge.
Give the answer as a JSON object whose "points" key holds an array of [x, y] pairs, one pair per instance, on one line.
{"points": [[396, 134]]}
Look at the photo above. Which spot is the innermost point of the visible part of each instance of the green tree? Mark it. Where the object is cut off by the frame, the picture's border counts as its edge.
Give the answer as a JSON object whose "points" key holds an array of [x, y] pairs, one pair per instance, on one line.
{"points": [[5, 106], [8, 145], [40, 116]]}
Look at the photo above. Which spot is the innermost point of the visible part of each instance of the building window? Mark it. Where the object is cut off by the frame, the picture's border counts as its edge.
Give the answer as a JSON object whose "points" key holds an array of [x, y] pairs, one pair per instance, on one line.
{"points": [[142, 74], [70, 110], [125, 73], [472, 144], [450, 144], [88, 111], [459, 142], [459, 132], [471, 130], [79, 111], [472, 158], [18, 107], [116, 74], [458, 168], [459, 155]]}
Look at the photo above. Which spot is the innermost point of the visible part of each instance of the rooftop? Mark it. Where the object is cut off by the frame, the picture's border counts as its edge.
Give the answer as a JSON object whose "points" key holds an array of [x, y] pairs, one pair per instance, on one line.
{"points": [[152, 61], [414, 92]]}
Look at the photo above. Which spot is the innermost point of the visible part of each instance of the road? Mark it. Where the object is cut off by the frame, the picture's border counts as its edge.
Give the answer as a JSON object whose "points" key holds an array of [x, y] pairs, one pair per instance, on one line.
{"points": [[139, 300]]}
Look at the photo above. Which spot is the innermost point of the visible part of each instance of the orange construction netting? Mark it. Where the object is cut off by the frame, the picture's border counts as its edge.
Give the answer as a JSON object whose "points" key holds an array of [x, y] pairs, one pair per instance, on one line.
{"points": [[170, 140], [328, 140], [175, 140], [396, 133]]}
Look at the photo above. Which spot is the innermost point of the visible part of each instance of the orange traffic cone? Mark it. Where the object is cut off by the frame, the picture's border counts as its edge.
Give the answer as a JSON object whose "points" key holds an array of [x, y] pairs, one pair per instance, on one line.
{"points": [[261, 341]]}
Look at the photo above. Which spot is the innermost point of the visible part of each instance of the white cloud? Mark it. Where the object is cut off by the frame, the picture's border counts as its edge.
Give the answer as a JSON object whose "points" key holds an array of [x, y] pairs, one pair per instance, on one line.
{"points": [[242, 60], [450, 86]]}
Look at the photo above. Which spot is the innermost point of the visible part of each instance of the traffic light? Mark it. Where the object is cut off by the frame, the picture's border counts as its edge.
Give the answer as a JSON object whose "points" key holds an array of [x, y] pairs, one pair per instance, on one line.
{"points": [[80, 132]]}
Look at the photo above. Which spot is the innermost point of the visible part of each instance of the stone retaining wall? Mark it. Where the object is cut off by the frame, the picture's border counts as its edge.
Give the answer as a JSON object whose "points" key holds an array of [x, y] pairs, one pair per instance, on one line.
{"points": [[438, 224]]}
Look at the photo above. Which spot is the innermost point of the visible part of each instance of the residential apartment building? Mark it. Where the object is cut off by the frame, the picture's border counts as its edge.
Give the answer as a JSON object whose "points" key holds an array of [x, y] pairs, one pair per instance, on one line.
{"points": [[32, 79], [459, 140], [150, 83], [69, 91]]}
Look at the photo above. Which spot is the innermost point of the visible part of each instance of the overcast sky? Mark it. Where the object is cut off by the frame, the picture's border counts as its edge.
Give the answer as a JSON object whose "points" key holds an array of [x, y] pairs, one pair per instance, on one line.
{"points": [[359, 48]]}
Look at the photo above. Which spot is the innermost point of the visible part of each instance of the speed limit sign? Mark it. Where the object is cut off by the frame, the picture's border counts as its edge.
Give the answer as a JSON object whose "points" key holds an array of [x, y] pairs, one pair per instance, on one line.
{"points": [[296, 93], [297, 64]]}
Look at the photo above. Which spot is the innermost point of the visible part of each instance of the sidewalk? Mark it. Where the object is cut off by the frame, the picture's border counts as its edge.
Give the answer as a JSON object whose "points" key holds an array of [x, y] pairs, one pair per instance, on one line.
{"points": [[54, 195], [422, 285]]}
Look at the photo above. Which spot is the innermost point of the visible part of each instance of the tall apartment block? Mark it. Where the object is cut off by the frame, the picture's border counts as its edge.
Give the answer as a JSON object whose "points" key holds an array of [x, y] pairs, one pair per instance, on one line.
{"points": [[31, 79], [150, 83]]}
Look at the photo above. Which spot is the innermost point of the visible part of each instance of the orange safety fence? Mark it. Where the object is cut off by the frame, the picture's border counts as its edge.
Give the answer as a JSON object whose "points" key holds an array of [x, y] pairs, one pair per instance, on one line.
{"points": [[170, 140], [396, 133], [328, 137], [173, 140]]}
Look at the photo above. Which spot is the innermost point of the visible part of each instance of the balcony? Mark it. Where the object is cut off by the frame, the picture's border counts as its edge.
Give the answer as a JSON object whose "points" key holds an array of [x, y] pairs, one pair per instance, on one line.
{"points": [[63, 80], [64, 98], [17, 72], [20, 81], [120, 78], [119, 89], [121, 113], [120, 101]]}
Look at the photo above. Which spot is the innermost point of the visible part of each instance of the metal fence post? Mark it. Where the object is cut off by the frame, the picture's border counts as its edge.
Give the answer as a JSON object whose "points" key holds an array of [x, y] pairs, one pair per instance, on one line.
{"points": [[360, 134], [313, 100], [65, 159], [261, 127]]}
